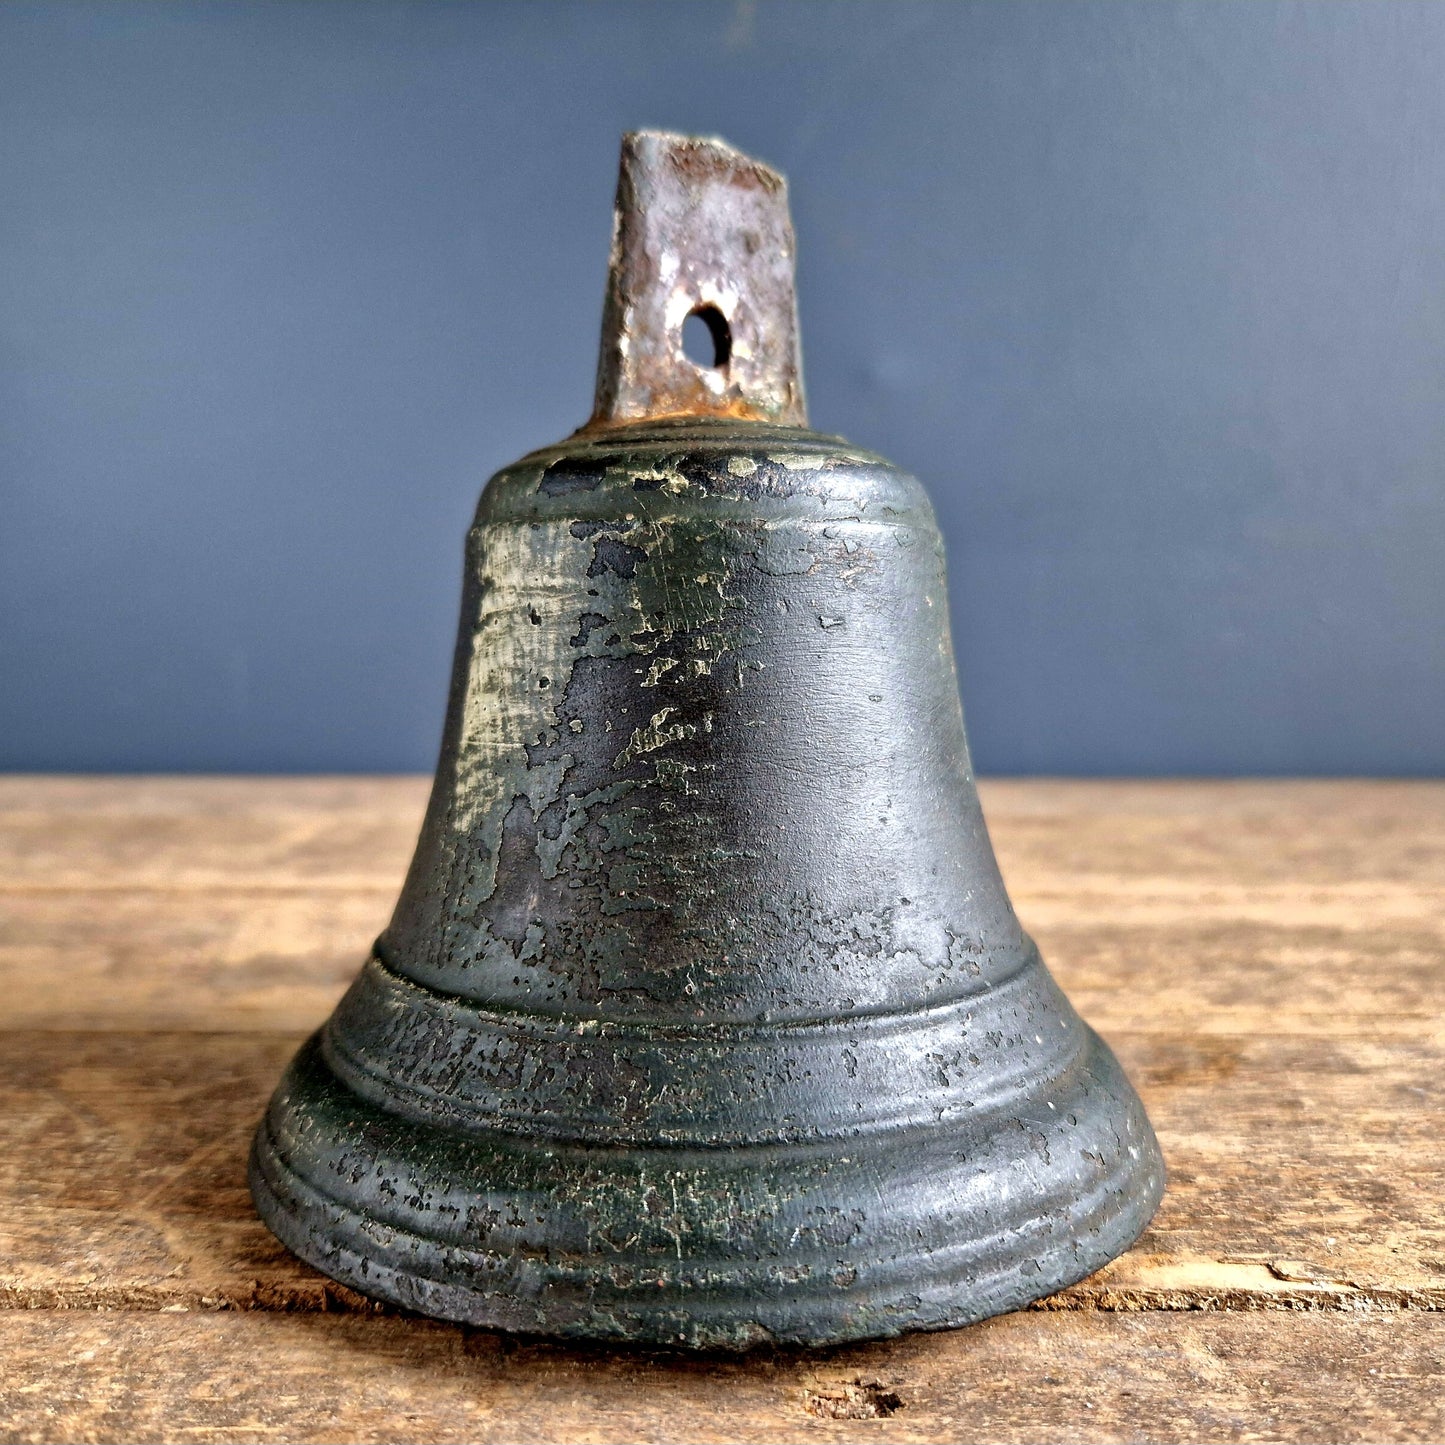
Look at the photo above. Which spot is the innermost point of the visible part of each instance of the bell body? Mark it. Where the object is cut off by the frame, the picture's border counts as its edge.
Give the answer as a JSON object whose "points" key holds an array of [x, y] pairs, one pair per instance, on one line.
{"points": [[703, 1017]]}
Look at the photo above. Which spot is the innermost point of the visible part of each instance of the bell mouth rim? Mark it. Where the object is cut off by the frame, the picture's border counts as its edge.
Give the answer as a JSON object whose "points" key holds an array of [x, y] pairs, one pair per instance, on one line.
{"points": [[905, 1268], [730, 1325]]}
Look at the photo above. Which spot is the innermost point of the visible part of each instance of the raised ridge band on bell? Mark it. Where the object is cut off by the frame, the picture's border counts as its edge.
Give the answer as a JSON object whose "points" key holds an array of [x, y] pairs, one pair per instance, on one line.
{"points": [[752, 473], [837, 1079]]}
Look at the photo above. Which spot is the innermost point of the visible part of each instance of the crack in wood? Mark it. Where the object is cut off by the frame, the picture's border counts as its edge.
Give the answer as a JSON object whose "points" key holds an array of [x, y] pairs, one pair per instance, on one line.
{"points": [[323, 1296]]}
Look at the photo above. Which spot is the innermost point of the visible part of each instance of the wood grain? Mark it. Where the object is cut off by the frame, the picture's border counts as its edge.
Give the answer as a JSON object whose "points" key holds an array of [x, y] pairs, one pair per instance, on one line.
{"points": [[1266, 959], [1026, 1378]]}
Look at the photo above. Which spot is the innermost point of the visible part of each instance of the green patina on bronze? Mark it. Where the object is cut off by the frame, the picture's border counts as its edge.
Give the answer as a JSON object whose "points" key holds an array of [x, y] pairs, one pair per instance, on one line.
{"points": [[703, 1017]]}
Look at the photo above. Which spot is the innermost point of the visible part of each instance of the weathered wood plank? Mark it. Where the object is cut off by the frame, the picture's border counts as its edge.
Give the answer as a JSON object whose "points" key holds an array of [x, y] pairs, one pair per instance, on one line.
{"points": [[1267, 959], [214, 960], [1296, 907], [1260, 833], [1021, 1378], [1176, 840], [270, 959], [174, 834], [1305, 1173]]}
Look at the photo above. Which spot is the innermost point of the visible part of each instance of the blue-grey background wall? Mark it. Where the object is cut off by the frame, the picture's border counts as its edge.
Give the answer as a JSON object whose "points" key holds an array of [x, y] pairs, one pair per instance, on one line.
{"points": [[1151, 295]]}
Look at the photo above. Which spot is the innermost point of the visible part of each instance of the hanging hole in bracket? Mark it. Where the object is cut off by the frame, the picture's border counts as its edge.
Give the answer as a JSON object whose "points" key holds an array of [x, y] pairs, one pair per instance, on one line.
{"points": [[707, 339]]}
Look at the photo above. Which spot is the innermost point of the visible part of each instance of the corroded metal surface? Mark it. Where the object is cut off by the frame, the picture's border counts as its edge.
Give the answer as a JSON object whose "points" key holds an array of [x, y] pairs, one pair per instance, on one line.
{"points": [[699, 229], [704, 1016]]}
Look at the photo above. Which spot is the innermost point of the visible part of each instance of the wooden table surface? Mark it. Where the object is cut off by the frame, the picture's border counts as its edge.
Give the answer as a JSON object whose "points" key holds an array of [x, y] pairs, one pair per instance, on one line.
{"points": [[1268, 960]]}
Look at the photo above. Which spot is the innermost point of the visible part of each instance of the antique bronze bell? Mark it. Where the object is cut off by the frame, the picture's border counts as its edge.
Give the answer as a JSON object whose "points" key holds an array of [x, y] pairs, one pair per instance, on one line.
{"points": [[704, 1017]]}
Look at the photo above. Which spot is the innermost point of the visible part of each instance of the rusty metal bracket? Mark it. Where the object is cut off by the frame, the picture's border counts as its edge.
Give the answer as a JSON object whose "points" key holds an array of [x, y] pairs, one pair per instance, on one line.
{"points": [[702, 230]]}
